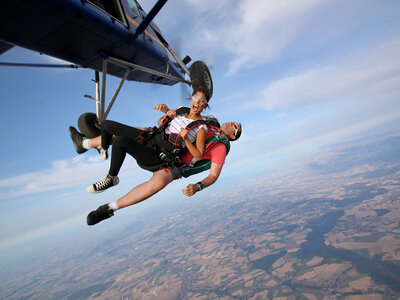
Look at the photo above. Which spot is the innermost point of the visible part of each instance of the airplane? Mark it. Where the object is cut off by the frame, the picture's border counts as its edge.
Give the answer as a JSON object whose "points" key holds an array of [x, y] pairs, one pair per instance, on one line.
{"points": [[114, 37]]}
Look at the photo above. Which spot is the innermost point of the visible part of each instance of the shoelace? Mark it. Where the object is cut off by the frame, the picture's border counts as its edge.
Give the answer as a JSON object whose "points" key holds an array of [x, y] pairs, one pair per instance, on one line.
{"points": [[103, 183]]}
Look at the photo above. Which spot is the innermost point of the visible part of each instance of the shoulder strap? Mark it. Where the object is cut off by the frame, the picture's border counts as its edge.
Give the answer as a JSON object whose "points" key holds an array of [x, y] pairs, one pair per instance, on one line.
{"points": [[180, 111], [210, 124], [183, 110], [217, 137], [220, 138]]}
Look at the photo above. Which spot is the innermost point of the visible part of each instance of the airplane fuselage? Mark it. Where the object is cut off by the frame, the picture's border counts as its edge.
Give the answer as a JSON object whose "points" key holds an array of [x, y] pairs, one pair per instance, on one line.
{"points": [[85, 31]]}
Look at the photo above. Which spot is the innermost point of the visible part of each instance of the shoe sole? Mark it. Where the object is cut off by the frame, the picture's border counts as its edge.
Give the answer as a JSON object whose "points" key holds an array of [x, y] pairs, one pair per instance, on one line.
{"points": [[91, 190], [93, 219], [72, 131], [105, 156], [103, 153]]}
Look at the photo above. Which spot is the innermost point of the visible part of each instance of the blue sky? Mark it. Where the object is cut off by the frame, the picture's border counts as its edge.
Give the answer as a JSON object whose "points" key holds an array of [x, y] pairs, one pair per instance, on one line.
{"points": [[298, 76]]}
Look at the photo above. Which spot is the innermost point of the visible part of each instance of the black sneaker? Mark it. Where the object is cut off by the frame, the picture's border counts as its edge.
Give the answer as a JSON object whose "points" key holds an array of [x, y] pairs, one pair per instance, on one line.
{"points": [[77, 139], [103, 153], [101, 213], [102, 185]]}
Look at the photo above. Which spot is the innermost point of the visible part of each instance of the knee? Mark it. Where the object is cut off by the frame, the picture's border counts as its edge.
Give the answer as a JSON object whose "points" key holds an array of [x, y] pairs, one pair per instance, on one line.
{"points": [[158, 183], [118, 140], [106, 125]]}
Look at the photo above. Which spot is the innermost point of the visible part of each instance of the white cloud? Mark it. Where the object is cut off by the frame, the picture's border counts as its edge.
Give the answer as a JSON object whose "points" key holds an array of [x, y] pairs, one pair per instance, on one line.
{"points": [[275, 149], [265, 28], [254, 31], [208, 5], [33, 233], [62, 174], [375, 74]]}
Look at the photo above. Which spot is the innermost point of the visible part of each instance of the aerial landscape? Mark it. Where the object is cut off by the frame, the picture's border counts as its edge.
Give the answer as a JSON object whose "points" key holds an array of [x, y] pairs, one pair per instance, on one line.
{"points": [[307, 202], [327, 227]]}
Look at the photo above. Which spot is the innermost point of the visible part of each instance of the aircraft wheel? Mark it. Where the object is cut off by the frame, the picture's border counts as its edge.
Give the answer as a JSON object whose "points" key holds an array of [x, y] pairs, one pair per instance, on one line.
{"points": [[88, 125], [200, 77]]}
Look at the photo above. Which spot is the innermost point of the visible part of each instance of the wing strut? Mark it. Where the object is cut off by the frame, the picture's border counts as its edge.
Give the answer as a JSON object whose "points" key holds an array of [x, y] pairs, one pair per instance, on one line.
{"points": [[149, 17], [38, 65], [146, 22]]}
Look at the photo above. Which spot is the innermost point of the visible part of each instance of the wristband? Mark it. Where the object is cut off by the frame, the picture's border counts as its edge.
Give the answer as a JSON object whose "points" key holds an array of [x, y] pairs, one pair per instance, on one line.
{"points": [[199, 186]]}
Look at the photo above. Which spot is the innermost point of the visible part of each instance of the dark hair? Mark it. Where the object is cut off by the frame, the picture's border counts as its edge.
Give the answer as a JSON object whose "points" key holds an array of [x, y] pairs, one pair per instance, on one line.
{"points": [[238, 134], [202, 90]]}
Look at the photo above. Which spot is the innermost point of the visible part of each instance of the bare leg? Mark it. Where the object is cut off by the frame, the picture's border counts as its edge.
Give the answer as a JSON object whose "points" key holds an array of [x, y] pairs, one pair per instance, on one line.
{"points": [[157, 182], [96, 141]]}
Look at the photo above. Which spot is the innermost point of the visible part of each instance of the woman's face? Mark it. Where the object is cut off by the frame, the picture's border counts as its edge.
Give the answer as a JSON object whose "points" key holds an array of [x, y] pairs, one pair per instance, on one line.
{"points": [[230, 129], [198, 102]]}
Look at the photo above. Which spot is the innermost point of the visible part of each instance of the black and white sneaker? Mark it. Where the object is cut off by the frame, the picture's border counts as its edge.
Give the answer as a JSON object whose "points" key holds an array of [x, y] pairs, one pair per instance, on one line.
{"points": [[101, 213], [102, 185], [77, 139], [103, 153]]}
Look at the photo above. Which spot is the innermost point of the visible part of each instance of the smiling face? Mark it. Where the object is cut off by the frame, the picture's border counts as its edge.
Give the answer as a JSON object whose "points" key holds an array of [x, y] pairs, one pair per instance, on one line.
{"points": [[231, 130], [197, 103]]}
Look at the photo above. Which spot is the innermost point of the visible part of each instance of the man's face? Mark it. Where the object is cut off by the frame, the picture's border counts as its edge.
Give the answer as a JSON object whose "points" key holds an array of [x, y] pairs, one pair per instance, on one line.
{"points": [[230, 129]]}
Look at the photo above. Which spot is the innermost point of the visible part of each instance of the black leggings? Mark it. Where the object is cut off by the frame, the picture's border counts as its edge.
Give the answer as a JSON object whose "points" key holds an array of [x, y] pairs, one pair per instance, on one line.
{"points": [[126, 143]]}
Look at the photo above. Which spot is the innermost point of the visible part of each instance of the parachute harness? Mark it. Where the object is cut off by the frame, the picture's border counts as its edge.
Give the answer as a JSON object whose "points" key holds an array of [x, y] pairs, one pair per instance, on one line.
{"points": [[169, 146]]}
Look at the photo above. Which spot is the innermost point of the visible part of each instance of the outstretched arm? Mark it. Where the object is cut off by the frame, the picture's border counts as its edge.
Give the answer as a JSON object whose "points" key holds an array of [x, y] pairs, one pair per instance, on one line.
{"points": [[212, 177]]}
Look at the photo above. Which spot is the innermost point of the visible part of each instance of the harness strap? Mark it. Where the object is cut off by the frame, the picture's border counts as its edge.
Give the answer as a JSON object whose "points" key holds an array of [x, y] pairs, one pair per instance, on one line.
{"points": [[169, 146], [165, 122], [175, 139], [147, 134], [196, 123], [211, 142]]}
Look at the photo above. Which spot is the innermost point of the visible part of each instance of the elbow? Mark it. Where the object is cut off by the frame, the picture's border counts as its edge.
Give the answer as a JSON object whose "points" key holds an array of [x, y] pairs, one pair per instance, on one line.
{"points": [[213, 179], [199, 155]]}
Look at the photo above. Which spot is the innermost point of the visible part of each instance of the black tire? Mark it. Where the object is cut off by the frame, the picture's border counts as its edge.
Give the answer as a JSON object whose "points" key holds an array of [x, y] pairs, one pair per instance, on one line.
{"points": [[200, 77], [88, 125]]}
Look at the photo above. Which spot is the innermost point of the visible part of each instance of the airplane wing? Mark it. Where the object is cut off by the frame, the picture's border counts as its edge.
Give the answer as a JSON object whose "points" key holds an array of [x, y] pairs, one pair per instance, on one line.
{"points": [[4, 47], [81, 32]]}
